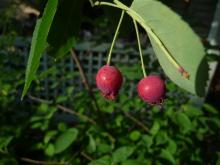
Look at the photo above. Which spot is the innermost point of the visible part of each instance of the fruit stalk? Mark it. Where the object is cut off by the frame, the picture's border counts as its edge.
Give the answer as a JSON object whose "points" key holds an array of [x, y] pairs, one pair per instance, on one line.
{"points": [[115, 36], [98, 3], [139, 47]]}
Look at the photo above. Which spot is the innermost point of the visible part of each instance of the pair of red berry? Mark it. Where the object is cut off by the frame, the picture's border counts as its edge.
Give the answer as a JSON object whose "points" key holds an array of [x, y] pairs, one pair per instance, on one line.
{"points": [[109, 79]]}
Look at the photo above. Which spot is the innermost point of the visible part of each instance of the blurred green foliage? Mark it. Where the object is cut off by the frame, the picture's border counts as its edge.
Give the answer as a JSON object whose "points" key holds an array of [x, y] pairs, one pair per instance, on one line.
{"points": [[178, 132]]}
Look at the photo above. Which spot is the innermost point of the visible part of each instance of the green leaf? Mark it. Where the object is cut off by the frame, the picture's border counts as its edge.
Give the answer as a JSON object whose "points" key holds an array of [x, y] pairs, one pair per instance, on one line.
{"points": [[161, 138], [39, 42], [105, 160], [184, 122], [210, 109], [62, 126], [92, 145], [65, 140], [5, 141], [148, 140], [172, 146], [119, 120], [65, 27], [50, 150], [132, 162], [61, 99], [173, 37], [103, 148], [121, 154], [135, 135], [155, 128], [215, 121], [165, 154], [192, 111], [49, 135]]}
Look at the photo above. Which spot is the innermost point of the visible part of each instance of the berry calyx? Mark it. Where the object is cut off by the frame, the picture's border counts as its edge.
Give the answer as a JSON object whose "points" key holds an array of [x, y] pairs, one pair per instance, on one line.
{"points": [[109, 80], [152, 89]]}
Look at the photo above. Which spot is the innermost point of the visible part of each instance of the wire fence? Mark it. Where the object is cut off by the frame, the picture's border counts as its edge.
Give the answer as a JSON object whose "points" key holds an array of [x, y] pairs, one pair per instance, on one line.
{"points": [[92, 58]]}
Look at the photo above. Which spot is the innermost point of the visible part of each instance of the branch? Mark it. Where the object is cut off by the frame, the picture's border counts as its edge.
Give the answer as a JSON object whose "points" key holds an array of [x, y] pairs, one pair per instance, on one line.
{"points": [[86, 84], [42, 162], [136, 121], [64, 109], [86, 156], [39, 100], [70, 111], [81, 71]]}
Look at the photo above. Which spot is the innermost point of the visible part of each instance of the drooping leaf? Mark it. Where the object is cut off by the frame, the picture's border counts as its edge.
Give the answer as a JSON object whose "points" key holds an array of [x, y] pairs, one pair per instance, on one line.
{"points": [[121, 154], [65, 140], [39, 42], [65, 27], [170, 35]]}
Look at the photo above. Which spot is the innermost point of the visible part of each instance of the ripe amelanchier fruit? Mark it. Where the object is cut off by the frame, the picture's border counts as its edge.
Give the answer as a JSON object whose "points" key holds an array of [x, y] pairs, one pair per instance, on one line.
{"points": [[152, 89], [109, 80]]}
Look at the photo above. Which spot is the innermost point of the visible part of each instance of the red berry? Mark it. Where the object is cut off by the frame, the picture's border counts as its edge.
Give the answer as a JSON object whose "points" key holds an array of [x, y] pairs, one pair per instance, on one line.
{"points": [[152, 89], [109, 80]]}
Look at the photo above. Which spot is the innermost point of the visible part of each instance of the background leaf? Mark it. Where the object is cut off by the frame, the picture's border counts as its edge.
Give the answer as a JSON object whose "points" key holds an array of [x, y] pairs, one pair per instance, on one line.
{"points": [[121, 154], [147, 140], [184, 122], [210, 108], [50, 150], [65, 140], [105, 160], [165, 154], [135, 135], [92, 144], [172, 146], [132, 162], [155, 128], [174, 36], [39, 42]]}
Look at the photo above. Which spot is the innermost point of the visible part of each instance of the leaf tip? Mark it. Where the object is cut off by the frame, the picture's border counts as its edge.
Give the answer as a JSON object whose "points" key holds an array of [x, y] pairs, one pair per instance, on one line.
{"points": [[24, 91]]}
